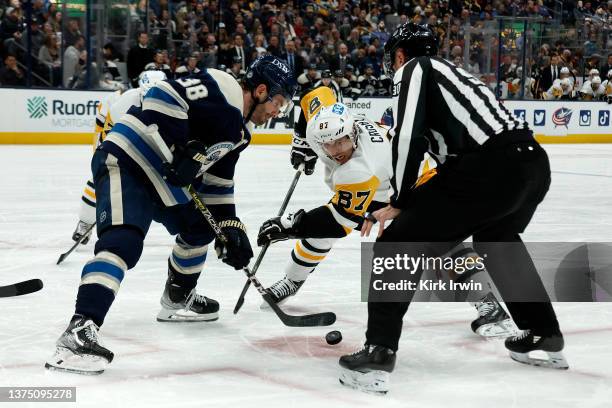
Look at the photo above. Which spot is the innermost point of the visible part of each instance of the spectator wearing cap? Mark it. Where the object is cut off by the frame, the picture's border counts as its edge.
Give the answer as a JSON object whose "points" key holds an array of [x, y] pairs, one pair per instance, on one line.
{"points": [[294, 60], [189, 67], [159, 64], [11, 24], [343, 83], [309, 78], [368, 82], [328, 81], [236, 70], [11, 74], [139, 56]]}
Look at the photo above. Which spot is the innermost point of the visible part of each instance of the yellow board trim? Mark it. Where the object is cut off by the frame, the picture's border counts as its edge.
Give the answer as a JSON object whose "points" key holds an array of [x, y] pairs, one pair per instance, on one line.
{"points": [[85, 138], [575, 138], [257, 138]]}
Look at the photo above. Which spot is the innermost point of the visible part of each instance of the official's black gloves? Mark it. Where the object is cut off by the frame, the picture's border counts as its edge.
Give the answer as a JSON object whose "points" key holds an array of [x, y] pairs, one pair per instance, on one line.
{"points": [[301, 153], [186, 164], [237, 251], [280, 228]]}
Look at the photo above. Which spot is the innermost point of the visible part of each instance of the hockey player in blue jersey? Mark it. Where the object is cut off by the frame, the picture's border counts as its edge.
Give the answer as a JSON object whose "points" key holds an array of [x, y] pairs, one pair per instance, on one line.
{"points": [[187, 131]]}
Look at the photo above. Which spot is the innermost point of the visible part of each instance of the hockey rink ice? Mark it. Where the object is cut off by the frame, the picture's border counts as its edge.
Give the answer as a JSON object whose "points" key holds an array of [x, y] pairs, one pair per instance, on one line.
{"points": [[252, 360]]}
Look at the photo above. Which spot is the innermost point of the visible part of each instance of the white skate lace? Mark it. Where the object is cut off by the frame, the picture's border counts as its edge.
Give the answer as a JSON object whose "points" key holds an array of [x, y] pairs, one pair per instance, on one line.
{"points": [[283, 288], [521, 335], [194, 297], [484, 308], [91, 332]]}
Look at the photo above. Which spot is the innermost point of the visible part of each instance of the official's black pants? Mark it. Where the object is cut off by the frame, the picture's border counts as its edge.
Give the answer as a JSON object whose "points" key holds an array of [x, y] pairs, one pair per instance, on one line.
{"points": [[490, 195]]}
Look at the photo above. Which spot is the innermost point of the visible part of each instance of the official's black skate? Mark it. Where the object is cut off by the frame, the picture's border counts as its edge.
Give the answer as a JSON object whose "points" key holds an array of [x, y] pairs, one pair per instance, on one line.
{"points": [[492, 321], [82, 228], [78, 350], [185, 305], [282, 290], [521, 345], [368, 369]]}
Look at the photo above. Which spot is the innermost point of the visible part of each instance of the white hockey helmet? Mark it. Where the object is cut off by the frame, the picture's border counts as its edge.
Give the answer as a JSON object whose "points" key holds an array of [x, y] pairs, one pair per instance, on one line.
{"points": [[566, 83], [609, 74], [594, 72], [596, 81], [147, 79], [564, 71], [332, 123]]}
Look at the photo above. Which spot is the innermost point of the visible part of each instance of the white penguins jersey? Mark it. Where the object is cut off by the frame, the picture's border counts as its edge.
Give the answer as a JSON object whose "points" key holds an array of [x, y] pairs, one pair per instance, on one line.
{"points": [[371, 157], [112, 108]]}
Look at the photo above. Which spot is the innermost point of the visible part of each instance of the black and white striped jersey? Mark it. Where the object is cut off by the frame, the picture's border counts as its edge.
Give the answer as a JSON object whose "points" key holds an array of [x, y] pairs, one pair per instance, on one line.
{"points": [[441, 109]]}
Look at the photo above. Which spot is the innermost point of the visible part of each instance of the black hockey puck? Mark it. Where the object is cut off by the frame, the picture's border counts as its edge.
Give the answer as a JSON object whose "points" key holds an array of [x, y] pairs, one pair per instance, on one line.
{"points": [[333, 337]]}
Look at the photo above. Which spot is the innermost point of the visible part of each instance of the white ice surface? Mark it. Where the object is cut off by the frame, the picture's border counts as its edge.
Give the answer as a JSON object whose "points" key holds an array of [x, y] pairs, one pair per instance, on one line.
{"points": [[252, 360]]}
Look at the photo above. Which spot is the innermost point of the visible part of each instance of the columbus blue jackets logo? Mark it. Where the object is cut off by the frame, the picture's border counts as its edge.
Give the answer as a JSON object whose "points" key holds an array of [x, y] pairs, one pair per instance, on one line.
{"points": [[562, 116], [216, 151]]}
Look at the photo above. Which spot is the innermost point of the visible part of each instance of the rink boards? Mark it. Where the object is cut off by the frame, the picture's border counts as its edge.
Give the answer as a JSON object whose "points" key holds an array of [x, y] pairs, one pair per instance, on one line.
{"points": [[38, 116]]}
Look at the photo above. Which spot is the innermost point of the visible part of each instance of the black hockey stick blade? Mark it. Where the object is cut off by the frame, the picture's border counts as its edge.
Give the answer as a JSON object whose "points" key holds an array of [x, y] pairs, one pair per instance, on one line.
{"points": [[76, 244], [311, 320], [21, 288]]}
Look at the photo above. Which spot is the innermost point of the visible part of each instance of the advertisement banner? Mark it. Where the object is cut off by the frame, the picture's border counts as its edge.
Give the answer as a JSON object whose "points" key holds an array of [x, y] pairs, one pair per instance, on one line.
{"points": [[61, 116], [48, 116]]}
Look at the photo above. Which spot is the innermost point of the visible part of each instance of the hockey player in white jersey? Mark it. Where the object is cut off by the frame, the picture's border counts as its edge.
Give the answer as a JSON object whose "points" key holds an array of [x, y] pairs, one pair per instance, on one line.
{"points": [[109, 111], [356, 155], [593, 90]]}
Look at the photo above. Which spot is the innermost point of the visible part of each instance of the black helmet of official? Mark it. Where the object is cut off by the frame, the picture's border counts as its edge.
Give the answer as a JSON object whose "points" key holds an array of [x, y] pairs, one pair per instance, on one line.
{"points": [[415, 39], [274, 73], [326, 74]]}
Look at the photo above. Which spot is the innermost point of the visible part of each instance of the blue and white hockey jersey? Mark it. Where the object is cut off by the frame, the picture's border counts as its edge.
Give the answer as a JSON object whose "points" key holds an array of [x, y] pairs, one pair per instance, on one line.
{"points": [[207, 106]]}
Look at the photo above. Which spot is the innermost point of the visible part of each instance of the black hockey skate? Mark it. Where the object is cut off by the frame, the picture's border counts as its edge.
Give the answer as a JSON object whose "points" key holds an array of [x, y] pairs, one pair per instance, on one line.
{"points": [[521, 345], [282, 290], [78, 350], [492, 320], [368, 369], [82, 228], [185, 305]]}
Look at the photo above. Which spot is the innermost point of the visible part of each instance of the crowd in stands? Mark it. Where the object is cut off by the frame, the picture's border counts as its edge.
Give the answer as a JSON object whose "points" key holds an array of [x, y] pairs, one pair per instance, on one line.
{"points": [[337, 41]]}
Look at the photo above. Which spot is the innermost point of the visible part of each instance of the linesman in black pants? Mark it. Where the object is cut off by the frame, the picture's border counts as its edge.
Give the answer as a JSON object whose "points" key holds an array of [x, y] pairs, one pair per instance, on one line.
{"points": [[491, 176]]}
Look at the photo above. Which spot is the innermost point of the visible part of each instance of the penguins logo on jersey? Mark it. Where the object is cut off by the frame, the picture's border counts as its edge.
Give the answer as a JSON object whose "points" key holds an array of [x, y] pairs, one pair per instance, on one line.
{"points": [[314, 104]]}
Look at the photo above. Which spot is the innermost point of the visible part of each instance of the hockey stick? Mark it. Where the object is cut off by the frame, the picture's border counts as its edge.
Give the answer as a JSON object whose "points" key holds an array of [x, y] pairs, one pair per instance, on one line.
{"points": [[21, 288], [247, 284], [76, 244], [317, 319]]}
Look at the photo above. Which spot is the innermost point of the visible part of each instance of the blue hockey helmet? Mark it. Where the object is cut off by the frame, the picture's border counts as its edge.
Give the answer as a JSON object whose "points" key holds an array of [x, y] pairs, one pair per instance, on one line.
{"points": [[415, 39], [276, 75]]}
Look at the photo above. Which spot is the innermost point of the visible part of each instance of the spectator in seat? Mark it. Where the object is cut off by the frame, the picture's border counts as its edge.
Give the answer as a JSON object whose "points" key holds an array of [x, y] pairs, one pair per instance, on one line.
{"points": [[11, 74], [159, 64]]}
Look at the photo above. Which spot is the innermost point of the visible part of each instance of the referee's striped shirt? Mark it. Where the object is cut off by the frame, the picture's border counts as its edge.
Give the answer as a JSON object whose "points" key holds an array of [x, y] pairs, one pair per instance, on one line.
{"points": [[443, 110]]}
